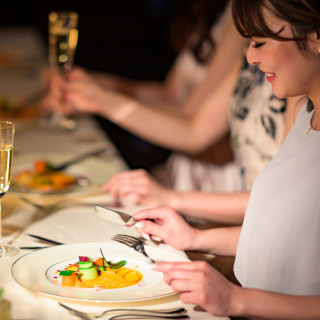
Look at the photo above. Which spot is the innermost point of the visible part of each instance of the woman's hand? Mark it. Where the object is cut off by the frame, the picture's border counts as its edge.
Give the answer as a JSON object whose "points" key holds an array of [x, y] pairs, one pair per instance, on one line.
{"points": [[199, 283], [139, 187], [168, 226], [55, 88], [83, 93], [52, 87]]}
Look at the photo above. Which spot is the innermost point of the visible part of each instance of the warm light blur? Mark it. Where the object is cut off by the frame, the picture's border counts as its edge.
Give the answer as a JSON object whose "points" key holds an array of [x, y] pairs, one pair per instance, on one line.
{"points": [[63, 39]]}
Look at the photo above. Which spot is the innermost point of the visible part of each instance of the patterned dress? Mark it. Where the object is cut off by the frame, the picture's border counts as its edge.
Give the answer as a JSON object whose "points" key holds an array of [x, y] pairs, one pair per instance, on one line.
{"points": [[256, 123]]}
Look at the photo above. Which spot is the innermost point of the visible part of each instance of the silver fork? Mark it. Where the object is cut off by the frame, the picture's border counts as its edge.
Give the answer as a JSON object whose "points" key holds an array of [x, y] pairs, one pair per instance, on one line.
{"points": [[132, 242], [174, 313]]}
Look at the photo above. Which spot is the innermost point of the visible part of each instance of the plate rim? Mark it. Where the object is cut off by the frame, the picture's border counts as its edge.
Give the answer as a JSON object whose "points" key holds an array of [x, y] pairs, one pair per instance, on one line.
{"points": [[180, 257]]}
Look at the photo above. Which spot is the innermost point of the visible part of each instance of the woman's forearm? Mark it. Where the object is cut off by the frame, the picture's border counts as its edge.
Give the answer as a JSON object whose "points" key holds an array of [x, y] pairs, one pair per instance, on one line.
{"points": [[152, 92], [218, 207], [219, 241], [171, 129], [258, 304], [167, 129]]}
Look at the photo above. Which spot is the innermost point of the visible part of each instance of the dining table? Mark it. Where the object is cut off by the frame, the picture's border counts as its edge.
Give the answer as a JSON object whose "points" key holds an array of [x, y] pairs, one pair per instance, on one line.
{"points": [[66, 217]]}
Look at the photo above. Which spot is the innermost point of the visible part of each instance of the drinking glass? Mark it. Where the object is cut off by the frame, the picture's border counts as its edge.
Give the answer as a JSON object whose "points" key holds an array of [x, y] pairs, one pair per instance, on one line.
{"points": [[63, 39], [6, 155]]}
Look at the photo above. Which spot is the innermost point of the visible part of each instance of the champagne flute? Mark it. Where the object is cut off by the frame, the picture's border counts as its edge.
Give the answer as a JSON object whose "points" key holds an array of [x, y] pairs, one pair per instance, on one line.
{"points": [[6, 155], [63, 39]]}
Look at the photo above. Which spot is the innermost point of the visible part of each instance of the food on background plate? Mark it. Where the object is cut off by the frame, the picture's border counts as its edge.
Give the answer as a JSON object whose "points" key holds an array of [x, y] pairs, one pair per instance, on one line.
{"points": [[99, 273], [42, 178], [19, 109]]}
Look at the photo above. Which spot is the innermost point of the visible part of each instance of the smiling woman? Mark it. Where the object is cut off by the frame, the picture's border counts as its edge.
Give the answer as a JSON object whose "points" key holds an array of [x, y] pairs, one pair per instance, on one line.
{"points": [[280, 44], [275, 260]]}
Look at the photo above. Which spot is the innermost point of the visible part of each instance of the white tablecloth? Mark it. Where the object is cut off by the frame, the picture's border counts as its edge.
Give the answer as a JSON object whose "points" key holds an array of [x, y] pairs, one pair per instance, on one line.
{"points": [[19, 218]]}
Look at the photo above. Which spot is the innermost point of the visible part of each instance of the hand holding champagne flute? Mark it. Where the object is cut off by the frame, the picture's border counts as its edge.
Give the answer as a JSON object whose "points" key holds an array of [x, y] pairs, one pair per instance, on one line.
{"points": [[6, 155], [63, 38]]}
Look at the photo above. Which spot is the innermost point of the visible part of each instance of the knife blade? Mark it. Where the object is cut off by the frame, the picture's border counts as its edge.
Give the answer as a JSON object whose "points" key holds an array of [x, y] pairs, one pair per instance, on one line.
{"points": [[115, 216], [44, 239], [77, 159], [33, 248]]}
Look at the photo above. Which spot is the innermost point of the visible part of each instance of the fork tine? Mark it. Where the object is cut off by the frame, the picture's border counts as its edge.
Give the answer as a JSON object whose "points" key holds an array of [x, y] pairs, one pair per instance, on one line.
{"points": [[125, 236], [125, 239], [121, 241], [132, 242]]}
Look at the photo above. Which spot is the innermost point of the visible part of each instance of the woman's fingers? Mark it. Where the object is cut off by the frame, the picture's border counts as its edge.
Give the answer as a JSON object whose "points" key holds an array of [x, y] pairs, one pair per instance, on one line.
{"points": [[153, 213], [165, 266]]}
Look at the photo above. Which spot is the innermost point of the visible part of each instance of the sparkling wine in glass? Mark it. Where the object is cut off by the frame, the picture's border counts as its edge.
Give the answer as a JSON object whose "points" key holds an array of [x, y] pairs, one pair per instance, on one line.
{"points": [[6, 155], [63, 39]]}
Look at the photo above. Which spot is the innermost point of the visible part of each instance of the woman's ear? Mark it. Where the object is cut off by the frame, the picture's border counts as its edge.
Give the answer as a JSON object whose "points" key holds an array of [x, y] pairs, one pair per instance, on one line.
{"points": [[317, 39]]}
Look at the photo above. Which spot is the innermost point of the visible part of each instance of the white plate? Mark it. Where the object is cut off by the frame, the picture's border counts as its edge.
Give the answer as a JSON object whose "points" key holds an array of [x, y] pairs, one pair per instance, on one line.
{"points": [[96, 170], [35, 271]]}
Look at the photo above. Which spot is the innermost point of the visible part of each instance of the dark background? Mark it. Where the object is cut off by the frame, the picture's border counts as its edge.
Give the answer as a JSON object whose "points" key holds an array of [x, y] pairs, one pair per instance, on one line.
{"points": [[125, 37]]}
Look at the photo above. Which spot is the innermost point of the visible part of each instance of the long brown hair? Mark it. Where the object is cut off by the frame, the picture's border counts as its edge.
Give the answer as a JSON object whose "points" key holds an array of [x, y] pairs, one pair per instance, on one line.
{"points": [[303, 17], [196, 16]]}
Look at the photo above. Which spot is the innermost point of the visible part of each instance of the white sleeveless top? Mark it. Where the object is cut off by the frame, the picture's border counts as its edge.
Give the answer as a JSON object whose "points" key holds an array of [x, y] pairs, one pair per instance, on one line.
{"points": [[279, 245]]}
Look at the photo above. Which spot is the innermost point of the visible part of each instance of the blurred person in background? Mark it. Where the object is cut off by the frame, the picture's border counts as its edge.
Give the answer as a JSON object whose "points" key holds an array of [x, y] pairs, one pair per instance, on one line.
{"points": [[194, 29], [242, 101]]}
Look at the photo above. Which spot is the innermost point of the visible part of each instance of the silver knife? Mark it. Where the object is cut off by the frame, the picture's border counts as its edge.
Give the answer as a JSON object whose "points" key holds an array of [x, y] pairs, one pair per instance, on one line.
{"points": [[44, 239], [115, 216], [77, 159]]}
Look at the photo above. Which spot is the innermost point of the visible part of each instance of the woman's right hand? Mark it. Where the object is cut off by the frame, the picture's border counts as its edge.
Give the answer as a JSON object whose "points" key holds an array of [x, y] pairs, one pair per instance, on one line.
{"points": [[139, 187], [167, 225], [53, 93], [82, 93]]}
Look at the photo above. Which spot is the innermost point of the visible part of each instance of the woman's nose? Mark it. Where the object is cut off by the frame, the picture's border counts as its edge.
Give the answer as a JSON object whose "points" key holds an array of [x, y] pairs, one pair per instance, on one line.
{"points": [[251, 55]]}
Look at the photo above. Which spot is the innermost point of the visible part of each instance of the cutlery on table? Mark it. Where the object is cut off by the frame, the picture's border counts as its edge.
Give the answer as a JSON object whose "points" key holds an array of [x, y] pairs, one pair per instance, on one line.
{"points": [[115, 216], [32, 248], [44, 239], [132, 242], [172, 313], [77, 159]]}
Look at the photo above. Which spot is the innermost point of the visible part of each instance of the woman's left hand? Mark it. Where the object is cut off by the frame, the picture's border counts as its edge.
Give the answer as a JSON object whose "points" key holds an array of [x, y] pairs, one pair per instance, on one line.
{"points": [[199, 283]]}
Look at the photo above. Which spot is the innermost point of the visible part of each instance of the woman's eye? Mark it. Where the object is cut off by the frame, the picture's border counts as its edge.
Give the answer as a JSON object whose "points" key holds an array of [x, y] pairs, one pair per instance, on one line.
{"points": [[257, 44]]}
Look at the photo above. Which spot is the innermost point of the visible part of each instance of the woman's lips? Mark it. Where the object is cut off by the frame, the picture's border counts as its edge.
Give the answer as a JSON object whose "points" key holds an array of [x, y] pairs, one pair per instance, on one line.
{"points": [[270, 76]]}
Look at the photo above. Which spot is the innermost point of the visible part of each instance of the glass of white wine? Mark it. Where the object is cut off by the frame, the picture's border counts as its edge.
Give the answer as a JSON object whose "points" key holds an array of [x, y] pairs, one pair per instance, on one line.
{"points": [[63, 39], [6, 155]]}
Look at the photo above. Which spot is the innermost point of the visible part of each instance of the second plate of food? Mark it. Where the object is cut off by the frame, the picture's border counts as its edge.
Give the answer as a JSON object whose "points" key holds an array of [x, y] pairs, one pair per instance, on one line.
{"points": [[31, 174]]}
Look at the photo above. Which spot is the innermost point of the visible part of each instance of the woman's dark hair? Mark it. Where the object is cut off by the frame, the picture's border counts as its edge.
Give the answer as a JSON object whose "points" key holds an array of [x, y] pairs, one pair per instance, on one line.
{"points": [[302, 15], [195, 17]]}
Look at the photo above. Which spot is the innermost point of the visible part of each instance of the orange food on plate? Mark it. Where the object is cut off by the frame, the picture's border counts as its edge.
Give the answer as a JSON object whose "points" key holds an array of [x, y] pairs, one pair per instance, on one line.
{"points": [[42, 178], [69, 281], [111, 279], [19, 109], [99, 273]]}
